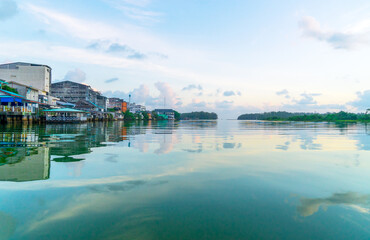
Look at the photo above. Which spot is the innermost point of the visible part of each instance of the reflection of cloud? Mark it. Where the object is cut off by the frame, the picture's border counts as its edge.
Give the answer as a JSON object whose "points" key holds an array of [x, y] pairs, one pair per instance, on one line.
{"points": [[76, 167], [307, 142], [166, 143], [104, 199], [359, 202], [111, 157], [229, 145], [284, 147]]}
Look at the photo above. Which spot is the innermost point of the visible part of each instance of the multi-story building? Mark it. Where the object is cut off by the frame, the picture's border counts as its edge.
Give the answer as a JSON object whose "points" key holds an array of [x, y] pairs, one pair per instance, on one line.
{"points": [[135, 108], [74, 92], [34, 75], [115, 103]]}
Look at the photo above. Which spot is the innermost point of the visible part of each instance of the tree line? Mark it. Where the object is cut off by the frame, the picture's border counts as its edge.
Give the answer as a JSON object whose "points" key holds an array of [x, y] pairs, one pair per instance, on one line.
{"points": [[198, 116], [310, 117]]}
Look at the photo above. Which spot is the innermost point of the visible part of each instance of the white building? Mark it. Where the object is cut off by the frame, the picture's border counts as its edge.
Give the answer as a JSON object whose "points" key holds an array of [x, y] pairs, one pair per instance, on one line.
{"points": [[135, 108], [33, 75]]}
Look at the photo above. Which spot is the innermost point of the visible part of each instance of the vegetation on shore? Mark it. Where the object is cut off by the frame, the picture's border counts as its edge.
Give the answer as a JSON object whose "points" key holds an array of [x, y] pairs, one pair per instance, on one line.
{"points": [[309, 117], [129, 116], [198, 116]]}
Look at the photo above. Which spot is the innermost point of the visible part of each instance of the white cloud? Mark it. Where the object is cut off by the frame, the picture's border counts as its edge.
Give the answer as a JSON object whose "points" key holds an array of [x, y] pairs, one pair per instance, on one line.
{"points": [[192, 87], [351, 38], [76, 75], [363, 100], [142, 95], [135, 9]]}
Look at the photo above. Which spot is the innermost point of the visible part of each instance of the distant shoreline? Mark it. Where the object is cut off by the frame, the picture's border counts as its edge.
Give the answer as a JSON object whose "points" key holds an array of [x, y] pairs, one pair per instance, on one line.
{"points": [[340, 117]]}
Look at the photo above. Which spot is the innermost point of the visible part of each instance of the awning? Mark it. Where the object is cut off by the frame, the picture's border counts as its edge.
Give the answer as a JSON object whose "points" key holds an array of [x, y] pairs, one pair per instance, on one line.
{"points": [[10, 99]]}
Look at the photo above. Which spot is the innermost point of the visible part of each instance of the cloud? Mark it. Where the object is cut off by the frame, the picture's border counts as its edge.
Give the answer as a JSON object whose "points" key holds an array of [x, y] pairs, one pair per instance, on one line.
{"points": [[229, 93], [76, 75], [307, 99], [137, 55], [136, 10], [166, 93], [192, 87], [141, 95], [363, 100], [283, 92], [130, 53], [357, 35], [199, 104], [111, 80], [116, 47], [8, 8], [307, 102], [224, 104]]}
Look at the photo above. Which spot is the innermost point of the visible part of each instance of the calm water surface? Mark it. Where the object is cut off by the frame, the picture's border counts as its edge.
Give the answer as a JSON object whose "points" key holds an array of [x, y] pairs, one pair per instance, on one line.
{"points": [[185, 180]]}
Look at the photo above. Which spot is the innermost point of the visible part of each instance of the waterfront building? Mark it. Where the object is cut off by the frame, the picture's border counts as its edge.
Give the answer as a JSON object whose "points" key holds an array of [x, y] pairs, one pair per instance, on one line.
{"points": [[136, 108], [28, 92], [88, 106], [33, 94], [13, 103], [170, 113], [65, 115], [115, 103], [124, 106], [73, 92], [34, 75]]}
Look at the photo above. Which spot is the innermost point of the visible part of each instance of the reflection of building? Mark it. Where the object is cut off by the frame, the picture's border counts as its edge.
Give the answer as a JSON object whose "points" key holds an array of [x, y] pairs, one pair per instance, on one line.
{"points": [[65, 115], [24, 164]]}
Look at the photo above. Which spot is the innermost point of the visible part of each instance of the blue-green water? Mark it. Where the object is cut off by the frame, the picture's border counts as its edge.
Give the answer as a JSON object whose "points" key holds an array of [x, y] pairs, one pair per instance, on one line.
{"points": [[185, 180]]}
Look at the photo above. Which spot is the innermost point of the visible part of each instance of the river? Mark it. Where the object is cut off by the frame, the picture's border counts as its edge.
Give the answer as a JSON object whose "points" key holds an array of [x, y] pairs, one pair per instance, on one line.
{"points": [[185, 180]]}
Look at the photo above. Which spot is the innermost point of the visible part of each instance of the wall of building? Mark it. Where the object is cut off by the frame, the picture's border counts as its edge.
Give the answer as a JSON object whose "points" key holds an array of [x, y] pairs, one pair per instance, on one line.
{"points": [[35, 76], [29, 93], [71, 92]]}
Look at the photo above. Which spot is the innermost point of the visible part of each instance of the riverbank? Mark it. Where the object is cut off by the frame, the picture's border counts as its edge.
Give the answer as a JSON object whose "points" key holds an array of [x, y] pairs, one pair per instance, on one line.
{"points": [[342, 117]]}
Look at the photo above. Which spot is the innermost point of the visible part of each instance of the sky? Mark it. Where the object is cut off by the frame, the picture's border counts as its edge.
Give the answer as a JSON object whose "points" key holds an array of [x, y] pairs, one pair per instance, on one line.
{"points": [[230, 57]]}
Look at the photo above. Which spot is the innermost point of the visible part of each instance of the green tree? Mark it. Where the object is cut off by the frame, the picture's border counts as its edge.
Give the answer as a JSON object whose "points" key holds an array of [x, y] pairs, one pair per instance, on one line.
{"points": [[10, 89], [177, 116], [129, 116]]}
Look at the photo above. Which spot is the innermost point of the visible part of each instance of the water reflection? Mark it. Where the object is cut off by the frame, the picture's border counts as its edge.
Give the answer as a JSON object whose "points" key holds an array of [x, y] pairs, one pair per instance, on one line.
{"points": [[7, 226], [203, 179], [24, 164], [358, 202]]}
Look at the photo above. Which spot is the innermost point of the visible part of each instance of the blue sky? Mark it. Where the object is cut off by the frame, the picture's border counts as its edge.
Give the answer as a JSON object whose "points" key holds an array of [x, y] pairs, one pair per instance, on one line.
{"points": [[231, 57]]}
